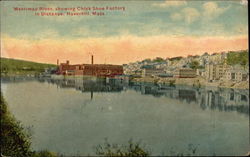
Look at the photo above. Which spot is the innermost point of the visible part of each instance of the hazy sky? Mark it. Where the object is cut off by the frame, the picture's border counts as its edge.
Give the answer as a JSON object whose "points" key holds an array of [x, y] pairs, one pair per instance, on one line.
{"points": [[145, 29]]}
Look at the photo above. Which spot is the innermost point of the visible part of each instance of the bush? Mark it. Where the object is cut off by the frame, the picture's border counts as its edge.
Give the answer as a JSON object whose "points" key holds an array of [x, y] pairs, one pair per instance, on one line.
{"points": [[44, 153], [241, 58], [172, 83], [194, 64], [15, 141], [158, 59], [176, 58], [132, 149]]}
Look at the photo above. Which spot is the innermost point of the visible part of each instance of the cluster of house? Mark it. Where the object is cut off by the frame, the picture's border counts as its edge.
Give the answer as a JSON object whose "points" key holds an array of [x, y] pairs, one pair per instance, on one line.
{"points": [[212, 72], [211, 67], [152, 71]]}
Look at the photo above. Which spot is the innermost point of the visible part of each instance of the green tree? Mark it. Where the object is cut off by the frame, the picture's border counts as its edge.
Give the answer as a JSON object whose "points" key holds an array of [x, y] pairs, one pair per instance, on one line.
{"points": [[176, 58], [194, 64], [158, 59], [146, 60], [241, 58]]}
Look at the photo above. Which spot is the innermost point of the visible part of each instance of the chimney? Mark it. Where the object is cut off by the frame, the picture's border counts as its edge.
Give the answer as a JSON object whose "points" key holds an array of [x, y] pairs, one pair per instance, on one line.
{"points": [[92, 59], [57, 62], [67, 62]]}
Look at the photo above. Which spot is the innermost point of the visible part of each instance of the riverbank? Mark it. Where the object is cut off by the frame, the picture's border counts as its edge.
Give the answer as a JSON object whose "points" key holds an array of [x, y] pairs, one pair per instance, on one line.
{"points": [[15, 138], [196, 82], [16, 141]]}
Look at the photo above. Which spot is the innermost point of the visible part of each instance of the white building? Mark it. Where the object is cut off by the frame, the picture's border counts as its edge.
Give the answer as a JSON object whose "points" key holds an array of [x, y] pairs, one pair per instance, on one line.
{"points": [[236, 75]]}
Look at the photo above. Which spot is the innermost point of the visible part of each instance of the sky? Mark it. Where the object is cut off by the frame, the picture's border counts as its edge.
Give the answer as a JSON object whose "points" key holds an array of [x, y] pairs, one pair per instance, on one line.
{"points": [[144, 29]]}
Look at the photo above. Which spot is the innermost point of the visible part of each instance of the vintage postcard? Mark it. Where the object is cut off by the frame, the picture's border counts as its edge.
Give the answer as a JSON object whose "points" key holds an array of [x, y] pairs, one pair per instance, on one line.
{"points": [[124, 78]]}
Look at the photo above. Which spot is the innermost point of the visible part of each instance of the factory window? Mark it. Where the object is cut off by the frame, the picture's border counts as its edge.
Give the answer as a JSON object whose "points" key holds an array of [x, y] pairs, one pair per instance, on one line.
{"points": [[231, 96], [243, 98]]}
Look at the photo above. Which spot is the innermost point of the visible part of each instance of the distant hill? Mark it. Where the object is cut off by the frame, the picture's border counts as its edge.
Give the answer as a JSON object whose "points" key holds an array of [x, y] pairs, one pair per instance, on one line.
{"points": [[21, 67]]}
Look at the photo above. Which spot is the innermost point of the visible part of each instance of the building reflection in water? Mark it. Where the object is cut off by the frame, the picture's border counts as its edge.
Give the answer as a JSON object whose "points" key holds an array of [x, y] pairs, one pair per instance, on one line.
{"points": [[213, 99]]}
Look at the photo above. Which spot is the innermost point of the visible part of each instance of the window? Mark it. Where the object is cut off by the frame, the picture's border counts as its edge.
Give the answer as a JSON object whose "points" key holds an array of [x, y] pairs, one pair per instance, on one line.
{"points": [[233, 76], [244, 77]]}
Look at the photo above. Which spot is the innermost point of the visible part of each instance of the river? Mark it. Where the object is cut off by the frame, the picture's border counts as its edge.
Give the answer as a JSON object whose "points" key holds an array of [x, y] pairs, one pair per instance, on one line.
{"points": [[72, 117]]}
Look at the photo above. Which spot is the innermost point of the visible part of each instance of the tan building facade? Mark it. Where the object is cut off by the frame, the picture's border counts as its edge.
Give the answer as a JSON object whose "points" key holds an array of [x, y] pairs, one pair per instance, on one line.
{"points": [[185, 73], [215, 71], [151, 72]]}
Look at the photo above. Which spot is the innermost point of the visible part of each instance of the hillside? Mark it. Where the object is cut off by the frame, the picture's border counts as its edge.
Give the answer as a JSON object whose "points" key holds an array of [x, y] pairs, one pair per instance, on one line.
{"points": [[232, 58], [21, 67]]}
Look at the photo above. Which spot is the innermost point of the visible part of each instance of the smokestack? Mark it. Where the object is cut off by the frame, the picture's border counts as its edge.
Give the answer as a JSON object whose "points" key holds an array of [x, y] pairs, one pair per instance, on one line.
{"points": [[57, 62], [92, 59]]}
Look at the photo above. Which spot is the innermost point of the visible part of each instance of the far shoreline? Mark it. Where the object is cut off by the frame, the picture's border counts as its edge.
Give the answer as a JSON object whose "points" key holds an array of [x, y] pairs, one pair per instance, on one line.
{"points": [[197, 82]]}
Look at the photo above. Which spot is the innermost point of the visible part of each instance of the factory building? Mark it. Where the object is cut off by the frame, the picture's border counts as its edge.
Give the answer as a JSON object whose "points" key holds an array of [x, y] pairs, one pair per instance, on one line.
{"points": [[99, 70]]}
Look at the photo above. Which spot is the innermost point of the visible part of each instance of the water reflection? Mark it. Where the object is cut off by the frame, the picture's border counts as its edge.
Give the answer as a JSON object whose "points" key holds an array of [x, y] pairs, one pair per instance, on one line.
{"points": [[220, 99], [86, 85], [77, 114], [207, 98]]}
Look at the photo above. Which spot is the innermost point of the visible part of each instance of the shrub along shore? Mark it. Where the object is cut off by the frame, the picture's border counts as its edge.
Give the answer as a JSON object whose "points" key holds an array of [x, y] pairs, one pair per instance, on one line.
{"points": [[15, 139]]}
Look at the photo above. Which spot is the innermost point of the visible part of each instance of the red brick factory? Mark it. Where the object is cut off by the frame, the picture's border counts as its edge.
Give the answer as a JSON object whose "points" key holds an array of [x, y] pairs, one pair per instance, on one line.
{"points": [[99, 70]]}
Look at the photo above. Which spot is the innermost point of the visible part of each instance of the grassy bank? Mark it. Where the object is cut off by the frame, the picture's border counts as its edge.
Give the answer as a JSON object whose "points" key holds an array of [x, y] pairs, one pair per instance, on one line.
{"points": [[12, 67]]}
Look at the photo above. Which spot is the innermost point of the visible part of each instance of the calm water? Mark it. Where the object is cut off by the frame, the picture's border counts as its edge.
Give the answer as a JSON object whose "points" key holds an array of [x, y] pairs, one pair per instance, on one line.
{"points": [[72, 117]]}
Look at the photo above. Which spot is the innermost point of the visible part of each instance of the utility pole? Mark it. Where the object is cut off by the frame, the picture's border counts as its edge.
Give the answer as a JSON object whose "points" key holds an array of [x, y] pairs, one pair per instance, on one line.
{"points": [[92, 59], [92, 63]]}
